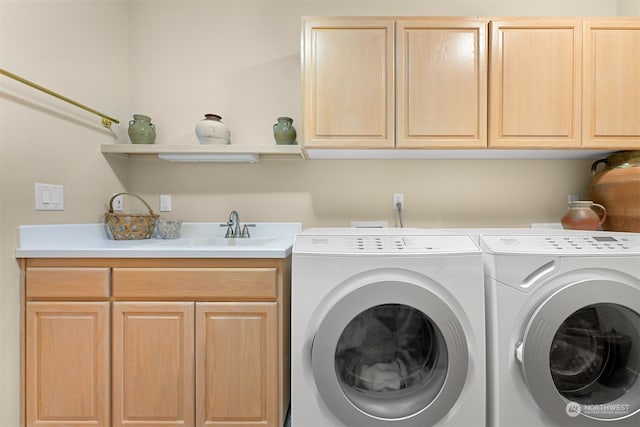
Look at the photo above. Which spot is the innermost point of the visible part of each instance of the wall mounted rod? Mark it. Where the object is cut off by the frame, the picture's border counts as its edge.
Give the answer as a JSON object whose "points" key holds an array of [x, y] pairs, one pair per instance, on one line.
{"points": [[106, 120]]}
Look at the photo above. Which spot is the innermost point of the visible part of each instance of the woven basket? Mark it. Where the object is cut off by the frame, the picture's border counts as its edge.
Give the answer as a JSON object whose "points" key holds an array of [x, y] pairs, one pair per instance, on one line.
{"points": [[125, 226]]}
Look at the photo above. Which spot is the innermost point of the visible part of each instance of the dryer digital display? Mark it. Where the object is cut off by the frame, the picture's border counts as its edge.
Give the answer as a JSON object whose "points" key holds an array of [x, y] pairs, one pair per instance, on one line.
{"points": [[604, 239]]}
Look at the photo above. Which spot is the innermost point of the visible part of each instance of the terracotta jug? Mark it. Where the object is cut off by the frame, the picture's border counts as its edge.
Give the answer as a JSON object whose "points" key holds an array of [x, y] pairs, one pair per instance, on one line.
{"points": [[617, 187], [581, 216]]}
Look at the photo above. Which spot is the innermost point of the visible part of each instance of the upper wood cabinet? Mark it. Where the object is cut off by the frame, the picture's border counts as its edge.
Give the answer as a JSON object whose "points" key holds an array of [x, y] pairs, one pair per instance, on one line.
{"points": [[348, 82], [415, 82], [441, 89], [611, 96], [535, 83], [356, 69]]}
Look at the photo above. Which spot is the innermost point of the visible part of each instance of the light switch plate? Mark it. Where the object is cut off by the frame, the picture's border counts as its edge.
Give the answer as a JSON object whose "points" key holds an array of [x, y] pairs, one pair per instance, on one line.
{"points": [[49, 197], [165, 203]]}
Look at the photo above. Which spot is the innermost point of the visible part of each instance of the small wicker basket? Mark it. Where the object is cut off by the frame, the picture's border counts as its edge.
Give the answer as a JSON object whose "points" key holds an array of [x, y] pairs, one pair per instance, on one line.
{"points": [[124, 226]]}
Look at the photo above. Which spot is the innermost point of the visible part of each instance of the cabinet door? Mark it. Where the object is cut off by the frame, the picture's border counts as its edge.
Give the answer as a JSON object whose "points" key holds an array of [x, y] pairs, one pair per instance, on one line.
{"points": [[236, 364], [612, 83], [535, 83], [153, 362], [67, 364], [348, 83], [442, 83]]}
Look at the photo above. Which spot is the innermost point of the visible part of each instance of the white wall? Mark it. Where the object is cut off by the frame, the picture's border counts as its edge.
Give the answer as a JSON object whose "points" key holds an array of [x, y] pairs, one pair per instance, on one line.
{"points": [[628, 7], [241, 60], [80, 50], [175, 61]]}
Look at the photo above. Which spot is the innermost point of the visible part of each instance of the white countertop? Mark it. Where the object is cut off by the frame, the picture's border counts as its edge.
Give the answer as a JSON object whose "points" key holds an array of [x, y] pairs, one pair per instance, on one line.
{"points": [[198, 240]]}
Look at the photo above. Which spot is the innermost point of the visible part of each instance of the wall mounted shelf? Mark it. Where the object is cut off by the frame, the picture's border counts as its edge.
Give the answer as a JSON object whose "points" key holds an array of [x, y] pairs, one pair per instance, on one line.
{"points": [[253, 153], [206, 153]]}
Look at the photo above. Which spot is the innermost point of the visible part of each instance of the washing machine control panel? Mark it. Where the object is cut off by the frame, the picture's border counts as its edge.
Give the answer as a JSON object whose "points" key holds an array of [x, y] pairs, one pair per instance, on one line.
{"points": [[578, 244], [383, 244]]}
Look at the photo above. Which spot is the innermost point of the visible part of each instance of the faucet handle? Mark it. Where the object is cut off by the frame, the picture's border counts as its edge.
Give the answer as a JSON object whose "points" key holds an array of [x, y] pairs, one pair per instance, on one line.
{"points": [[229, 226], [245, 230]]}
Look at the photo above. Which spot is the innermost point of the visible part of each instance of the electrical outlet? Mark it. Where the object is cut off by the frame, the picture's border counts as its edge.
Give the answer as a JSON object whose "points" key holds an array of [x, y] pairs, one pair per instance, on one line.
{"points": [[398, 198], [165, 203], [118, 203]]}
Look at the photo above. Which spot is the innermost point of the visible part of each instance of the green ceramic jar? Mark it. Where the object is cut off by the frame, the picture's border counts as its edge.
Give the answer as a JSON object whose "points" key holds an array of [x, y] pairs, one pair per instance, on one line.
{"points": [[141, 130], [284, 132]]}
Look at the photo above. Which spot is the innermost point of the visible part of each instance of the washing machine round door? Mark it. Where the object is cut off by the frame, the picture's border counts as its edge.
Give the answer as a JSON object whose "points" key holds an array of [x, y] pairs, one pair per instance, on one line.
{"points": [[390, 351], [581, 354]]}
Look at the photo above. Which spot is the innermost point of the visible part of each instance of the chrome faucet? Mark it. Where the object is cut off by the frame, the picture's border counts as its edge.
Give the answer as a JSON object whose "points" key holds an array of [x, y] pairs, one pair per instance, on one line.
{"points": [[233, 227]]}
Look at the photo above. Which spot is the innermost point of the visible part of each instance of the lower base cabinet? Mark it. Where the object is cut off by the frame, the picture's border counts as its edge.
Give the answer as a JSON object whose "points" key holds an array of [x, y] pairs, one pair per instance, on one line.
{"points": [[235, 380], [67, 364], [234, 383], [177, 345], [153, 364]]}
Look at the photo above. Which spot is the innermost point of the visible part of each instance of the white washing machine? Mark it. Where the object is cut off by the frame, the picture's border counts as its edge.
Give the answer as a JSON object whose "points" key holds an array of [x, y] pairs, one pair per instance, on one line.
{"points": [[387, 329], [563, 329]]}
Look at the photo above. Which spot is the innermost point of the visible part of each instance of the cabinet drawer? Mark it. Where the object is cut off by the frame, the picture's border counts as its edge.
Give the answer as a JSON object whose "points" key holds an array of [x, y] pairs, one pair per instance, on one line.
{"points": [[221, 284], [68, 283]]}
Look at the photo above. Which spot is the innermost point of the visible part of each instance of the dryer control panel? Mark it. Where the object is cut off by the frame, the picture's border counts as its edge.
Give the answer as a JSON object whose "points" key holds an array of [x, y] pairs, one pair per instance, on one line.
{"points": [[383, 244], [571, 244]]}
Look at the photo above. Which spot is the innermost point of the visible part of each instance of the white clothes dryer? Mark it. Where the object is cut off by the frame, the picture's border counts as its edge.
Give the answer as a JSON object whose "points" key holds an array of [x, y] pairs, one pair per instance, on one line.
{"points": [[387, 329], [563, 329]]}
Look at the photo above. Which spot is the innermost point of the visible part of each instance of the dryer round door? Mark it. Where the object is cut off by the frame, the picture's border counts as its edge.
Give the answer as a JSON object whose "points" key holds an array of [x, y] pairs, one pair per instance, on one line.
{"points": [[581, 354], [390, 351]]}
